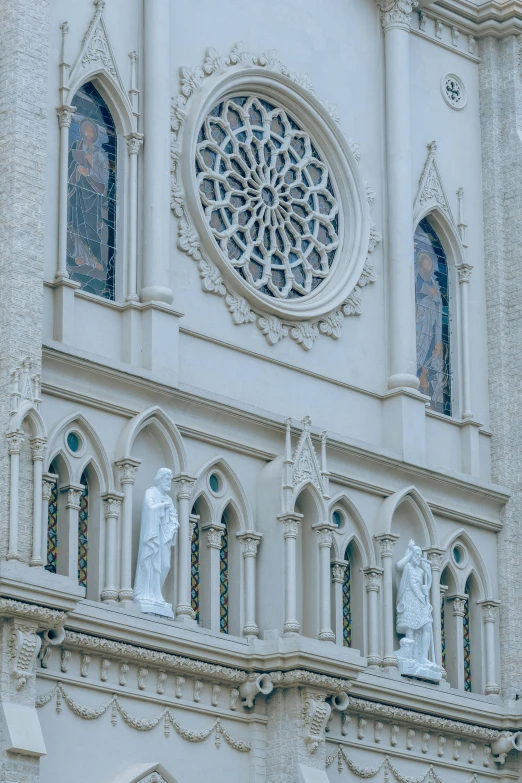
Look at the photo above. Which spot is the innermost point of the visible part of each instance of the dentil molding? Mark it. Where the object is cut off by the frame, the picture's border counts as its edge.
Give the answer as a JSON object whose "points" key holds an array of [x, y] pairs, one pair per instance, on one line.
{"points": [[317, 313]]}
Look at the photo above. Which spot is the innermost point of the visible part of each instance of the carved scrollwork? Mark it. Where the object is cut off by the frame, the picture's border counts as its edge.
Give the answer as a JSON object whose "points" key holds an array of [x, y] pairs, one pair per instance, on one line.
{"points": [[316, 712]]}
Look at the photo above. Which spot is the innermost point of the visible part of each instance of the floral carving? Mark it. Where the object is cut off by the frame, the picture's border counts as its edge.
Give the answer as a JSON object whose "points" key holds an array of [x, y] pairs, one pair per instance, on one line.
{"points": [[188, 240], [240, 309], [272, 328], [211, 278]]}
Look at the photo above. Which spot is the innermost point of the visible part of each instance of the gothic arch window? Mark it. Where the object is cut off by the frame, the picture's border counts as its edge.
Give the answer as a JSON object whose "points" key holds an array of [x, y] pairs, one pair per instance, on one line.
{"points": [[347, 602], [432, 315], [52, 522], [91, 194], [194, 568], [83, 531], [223, 578], [466, 638]]}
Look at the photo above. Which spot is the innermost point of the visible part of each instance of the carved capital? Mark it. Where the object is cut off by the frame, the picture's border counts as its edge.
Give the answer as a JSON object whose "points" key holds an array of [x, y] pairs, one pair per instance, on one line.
{"points": [[339, 571], [47, 488], [489, 610], [372, 579], [464, 272], [291, 524], [396, 13], [65, 114], [249, 543], [111, 506], [24, 646], [324, 536], [15, 442], [127, 469], [435, 557], [38, 446], [134, 142], [316, 712], [386, 544], [183, 487], [459, 604], [74, 493], [214, 535]]}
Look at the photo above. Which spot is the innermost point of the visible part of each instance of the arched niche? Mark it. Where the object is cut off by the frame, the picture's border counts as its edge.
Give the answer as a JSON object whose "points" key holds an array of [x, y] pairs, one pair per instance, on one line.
{"points": [[309, 504], [472, 560], [90, 449], [221, 485]]}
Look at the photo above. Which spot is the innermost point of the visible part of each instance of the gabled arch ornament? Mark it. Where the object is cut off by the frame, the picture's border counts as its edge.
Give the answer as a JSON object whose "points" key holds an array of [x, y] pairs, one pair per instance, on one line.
{"points": [[302, 469], [322, 309], [144, 773]]}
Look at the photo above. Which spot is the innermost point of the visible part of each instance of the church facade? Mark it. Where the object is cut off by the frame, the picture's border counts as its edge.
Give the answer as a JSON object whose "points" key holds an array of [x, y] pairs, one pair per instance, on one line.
{"points": [[260, 379]]}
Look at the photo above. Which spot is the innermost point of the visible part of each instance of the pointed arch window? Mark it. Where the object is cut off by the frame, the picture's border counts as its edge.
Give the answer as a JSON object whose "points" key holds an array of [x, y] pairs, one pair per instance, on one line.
{"points": [[432, 317], [52, 523], [194, 570], [83, 524], [91, 194], [466, 637], [223, 578], [347, 603]]}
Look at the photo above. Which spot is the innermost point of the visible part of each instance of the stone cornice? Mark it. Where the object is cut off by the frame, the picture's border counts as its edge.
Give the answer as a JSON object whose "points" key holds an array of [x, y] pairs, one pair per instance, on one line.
{"points": [[45, 617], [489, 18]]}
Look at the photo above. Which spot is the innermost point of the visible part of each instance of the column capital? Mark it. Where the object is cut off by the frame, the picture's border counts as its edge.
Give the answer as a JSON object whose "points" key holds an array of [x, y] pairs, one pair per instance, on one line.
{"points": [[65, 113], [134, 142], [112, 504], [38, 446], [489, 609], [183, 486], [325, 533], [464, 272], [249, 541], [291, 524], [435, 555], [459, 604], [387, 543], [372, 578], [15, 442], [74, 493], [396, 13], [127, 468], [338, 571], [214, 533]]}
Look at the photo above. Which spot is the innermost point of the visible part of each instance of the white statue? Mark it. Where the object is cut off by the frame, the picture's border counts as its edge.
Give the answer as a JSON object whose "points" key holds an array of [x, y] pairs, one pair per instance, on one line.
{"points": [[416, 656], [159, 527]]}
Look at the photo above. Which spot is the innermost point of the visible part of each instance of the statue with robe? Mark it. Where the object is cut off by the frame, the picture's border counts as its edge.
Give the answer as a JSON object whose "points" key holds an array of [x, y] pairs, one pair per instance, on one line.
{"points": [[159, 527], [416, 655]]}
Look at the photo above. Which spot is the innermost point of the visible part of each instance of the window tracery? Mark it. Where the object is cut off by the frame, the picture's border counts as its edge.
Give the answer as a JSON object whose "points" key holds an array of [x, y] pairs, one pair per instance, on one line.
{"points": [[83, 522], [223, 579], [52, 524], [466, 637], [432, 316], [194, 571], [268, 197], [91, 194], [347, 603]]}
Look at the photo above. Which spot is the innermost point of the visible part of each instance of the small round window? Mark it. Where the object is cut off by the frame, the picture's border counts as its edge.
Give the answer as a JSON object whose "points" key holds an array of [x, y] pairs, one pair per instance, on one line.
{"points": [[459, 555], [74, 442], [337, 518], [216, 483]]}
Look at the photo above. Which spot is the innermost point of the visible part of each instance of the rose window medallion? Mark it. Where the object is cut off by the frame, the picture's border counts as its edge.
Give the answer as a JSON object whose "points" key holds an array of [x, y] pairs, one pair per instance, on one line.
{"points": [[267, 197]]}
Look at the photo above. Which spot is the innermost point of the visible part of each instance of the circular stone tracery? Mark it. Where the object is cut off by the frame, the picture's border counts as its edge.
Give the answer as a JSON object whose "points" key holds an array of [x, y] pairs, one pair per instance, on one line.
{"points": [[267, 197]]}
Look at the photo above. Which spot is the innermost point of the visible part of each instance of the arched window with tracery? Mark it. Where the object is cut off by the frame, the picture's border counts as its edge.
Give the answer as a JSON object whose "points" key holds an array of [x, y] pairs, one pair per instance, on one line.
{"points": [[194, 568], [91, 194], [347, 603], [83, 525], [432, 316], [223, 578], [466, 637], [52, 521]]}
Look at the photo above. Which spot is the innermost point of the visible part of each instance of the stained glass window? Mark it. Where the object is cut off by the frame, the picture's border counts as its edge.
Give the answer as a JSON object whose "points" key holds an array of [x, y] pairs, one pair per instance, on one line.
{"points": [[223, 581], [432, 315], [467, 643], [91, 194], [52, 524], [83, 522], [347, 604], [443, 629], [267, 196], [194, 571]]}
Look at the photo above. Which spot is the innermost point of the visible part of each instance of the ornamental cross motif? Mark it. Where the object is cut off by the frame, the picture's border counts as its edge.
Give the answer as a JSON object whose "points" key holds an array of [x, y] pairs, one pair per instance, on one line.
{"points": [[306, 466]]}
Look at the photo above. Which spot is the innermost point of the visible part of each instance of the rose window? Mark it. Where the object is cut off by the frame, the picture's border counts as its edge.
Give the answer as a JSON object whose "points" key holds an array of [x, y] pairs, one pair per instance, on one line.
{"points": [[267, 197]]}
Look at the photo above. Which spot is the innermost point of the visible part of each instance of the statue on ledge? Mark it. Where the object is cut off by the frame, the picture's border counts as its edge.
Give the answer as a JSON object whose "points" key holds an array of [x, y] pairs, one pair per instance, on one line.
{"points": [[414, 617], [159, 527]]}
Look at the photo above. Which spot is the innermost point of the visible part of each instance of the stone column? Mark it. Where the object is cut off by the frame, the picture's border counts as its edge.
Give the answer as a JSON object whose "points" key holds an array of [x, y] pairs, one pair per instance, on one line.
{"points": [[14, 444], [67, 562], [214, 533], [48, 482], [291, 524], [65, 114], [464, 273], [372, 581], [111, 511], [37, 452], [455, 652], [134, 142], [338, 574], [324, 542], [435, 558], [386, 545], [395, 19], [184, 486], [489, 615], [127, 469], [156, 169], [249, 543]]}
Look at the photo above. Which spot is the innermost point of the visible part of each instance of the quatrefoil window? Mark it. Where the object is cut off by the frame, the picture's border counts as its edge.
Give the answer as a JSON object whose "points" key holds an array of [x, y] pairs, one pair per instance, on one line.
{"points": [[267, 197]]}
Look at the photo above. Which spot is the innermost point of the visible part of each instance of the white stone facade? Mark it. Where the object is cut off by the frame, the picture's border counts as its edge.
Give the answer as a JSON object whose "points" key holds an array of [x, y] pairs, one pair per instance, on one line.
{"points": [[243, 312]]}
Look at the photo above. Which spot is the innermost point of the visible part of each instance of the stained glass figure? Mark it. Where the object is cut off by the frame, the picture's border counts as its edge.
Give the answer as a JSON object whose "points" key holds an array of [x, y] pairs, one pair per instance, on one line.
{"points": [[91, 194], [194, 571], [52, 525], [83, 522], [268, 197], [432, 315], [467, 642], [223, 582], [347, 604]]}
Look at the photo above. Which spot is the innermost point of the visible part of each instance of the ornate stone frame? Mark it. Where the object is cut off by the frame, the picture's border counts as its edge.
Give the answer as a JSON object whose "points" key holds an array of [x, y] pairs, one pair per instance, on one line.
{"points": [[265, 74]]}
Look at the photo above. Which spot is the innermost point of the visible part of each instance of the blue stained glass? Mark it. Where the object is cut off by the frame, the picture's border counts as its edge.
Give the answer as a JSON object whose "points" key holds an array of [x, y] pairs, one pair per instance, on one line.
{"points": [[432, 316], [347, 605], [91, 194], [223, 583], [83, 521]]}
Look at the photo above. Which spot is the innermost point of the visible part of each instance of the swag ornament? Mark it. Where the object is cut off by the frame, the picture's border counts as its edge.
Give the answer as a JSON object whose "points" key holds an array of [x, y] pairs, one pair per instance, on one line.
{"points": [[277, 227]]}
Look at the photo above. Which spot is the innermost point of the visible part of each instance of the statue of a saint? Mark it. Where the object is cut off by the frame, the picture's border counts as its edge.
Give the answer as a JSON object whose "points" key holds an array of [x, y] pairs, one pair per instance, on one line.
{"points": [[159, 527], [414, 616]]}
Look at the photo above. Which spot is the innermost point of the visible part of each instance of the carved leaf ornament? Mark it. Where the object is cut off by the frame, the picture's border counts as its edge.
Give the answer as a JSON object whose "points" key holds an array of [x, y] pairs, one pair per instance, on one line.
{"points": [[259, 208]]}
